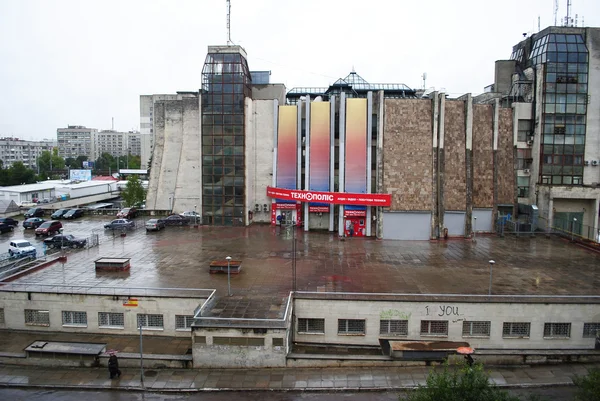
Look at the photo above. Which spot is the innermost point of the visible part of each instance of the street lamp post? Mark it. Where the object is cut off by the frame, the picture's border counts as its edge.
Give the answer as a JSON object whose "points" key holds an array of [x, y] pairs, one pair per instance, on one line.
{"points": [[141, 358], [195, 217], [474, 227], [228, 275], [573, 229], [491, 270]]}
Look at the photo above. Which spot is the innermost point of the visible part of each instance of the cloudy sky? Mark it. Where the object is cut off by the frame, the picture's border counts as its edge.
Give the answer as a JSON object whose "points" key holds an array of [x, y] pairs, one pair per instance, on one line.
{"points": [[83, 62]]}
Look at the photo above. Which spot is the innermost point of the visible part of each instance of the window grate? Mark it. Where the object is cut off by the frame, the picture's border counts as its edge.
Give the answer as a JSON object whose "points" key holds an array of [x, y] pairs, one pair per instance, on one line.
{"points": [[434, 327], [393, 327], [351, 326], [150, 321], [591, 330], [111, 319], [2, 321], [277, 342], [37, 317], [71, 318], [516, 329], [476, 329], [557, 330], [316, 326], [239, 341], [183, 322]]}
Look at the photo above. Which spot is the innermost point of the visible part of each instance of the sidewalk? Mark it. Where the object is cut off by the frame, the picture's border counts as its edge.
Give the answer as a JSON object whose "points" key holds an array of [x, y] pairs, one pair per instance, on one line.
{"points": [[321, 379]]}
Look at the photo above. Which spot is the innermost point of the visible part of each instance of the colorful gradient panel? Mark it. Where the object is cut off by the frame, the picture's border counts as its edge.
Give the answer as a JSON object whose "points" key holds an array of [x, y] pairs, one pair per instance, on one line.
{"points": [[320, 145], [287, 147], [356, 145]]}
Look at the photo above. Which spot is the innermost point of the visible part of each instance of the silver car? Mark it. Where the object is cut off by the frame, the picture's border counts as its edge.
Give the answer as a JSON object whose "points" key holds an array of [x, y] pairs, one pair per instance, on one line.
{"points": [[120, 224], [155, 225]]}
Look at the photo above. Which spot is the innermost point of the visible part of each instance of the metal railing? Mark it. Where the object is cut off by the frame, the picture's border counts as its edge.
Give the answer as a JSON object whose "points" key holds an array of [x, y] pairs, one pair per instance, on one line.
{"points": [[571, 229]]}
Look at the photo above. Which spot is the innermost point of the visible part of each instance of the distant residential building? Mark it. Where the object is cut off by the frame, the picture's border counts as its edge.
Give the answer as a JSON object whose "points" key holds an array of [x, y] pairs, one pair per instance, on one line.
{"points": [[18, 150], [116, 143], [76, 140]]}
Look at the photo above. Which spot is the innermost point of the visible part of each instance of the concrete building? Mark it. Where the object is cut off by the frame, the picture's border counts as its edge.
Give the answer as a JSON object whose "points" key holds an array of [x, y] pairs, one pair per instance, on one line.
{"points": [[551, 82], [27, 193], [18, 150], [147, 124], [116, 143], [76, 140]]}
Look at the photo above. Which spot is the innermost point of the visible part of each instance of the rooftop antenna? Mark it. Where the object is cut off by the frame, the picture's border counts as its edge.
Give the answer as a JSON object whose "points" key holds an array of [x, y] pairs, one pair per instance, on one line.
{"points": [[424, 80], [538, 23], [568, 21], [113, 124], [555, 12], [229, 42]]}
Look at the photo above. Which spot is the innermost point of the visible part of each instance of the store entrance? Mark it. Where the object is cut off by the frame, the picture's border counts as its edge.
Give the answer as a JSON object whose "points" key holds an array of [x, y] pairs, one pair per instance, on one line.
{"points": [[287, 217], [355, 227]]}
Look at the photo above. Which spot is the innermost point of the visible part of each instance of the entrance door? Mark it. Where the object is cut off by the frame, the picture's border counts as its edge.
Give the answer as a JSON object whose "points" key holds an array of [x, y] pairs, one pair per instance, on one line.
{"points": [[287, 217]]}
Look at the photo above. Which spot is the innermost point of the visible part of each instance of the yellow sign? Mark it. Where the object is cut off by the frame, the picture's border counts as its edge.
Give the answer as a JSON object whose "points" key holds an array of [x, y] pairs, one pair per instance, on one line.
{"points": [[130, 302]]}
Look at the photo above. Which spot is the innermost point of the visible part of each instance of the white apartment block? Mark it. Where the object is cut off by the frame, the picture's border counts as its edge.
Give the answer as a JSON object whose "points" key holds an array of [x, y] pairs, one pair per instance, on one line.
{"points": [[18, 150], [76, 140], [116, 143]]}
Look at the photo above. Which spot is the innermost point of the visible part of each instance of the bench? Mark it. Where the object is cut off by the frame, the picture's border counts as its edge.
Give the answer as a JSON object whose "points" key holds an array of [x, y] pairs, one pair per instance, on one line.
{"points": [[220, 266]]}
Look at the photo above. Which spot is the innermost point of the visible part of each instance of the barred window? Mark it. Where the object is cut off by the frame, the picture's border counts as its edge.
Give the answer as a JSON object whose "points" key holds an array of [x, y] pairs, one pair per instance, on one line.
{"points": [[2, 321], [311, 326], [557, 330], [239, 341], [476, 329], [37, 317], [393, 327], [277, 342], [149, 321], [183, 322], [516, 329], [111, 319], [591, 330], [434, 327], [71, 318], [351, 326]]}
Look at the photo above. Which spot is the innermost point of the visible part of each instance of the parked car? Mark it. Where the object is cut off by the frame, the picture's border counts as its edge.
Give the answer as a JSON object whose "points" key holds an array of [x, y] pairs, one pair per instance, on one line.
{"points": [[120, 224], [176, 220], [48, 227], [34, 212], [5, 228], [59, 213], [190, 215], [21, 248], [155, 225], [33, 222], [9, 220], [127, 213], [73, 214], [65, 241]]}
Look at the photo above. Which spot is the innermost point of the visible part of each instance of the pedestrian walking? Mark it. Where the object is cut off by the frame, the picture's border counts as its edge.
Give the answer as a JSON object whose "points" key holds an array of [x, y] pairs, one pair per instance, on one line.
{"points": [[113, 366]]}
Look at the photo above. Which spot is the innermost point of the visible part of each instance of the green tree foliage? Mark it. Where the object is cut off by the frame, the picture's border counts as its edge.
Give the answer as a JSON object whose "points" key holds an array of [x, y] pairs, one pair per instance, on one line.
{"points": [[105, 162], [78, 163], [49, 162], [133, 194], [58, 163], [588, 387], [16, 174], [465, 383]]}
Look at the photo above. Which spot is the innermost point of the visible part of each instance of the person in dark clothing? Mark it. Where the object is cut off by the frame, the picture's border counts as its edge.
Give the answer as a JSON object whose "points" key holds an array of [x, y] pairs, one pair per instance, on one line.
{"points": [[113, 366], [469, 360]]}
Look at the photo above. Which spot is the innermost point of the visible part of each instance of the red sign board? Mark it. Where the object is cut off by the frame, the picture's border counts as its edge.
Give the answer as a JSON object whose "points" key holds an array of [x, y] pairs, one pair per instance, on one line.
{"points": [[318, 209], [337, 198], [286, 206], [355, 213]]}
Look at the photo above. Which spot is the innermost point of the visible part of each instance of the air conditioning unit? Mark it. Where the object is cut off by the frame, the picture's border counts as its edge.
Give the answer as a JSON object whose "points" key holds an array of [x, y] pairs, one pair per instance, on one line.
{"points": [[529, 142], [526, 171], [257, 207], [586, 163], [265, 207], [530, 138], [594, 162]]}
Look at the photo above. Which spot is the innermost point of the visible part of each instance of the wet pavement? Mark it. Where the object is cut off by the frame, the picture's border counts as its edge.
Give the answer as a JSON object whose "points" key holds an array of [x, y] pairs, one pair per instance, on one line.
{"points": [[322, 379], [179, 257]]}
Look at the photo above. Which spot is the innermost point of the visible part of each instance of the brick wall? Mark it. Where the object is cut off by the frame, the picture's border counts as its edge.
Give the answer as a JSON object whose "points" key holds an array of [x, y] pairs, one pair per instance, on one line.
{"points": [[506, 170], [407, 153], [455, 190], [483, 174]]}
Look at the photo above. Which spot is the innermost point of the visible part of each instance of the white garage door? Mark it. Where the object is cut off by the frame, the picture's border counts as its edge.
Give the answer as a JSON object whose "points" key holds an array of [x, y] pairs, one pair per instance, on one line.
{"points": [[406, 226]]}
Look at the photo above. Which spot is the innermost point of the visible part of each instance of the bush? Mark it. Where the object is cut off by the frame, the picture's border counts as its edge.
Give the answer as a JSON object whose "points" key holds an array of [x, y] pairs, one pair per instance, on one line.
{"points": [[467, 383], [588, 387]]}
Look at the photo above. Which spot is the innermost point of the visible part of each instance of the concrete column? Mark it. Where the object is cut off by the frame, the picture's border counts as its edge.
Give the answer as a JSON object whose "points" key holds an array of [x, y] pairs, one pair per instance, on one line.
{"points": [[342, 170], [495, 160], [331, 159], [306, 216], [469, 163], [369, 144], [434, 140], [275, 134], [379, 155], [441, 164]]}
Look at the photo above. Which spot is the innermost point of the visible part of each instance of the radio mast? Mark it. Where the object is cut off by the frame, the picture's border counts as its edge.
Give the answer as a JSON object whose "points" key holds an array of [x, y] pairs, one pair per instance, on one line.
{"points": [[228, 22]]}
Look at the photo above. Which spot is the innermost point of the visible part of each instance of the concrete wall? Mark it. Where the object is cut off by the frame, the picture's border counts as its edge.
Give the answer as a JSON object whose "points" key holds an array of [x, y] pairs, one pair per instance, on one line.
{"points": [[209, 355], [455, 313], [483, 177], [506, 165], [259, 157], [407, 154], [269, 92], [591, 173], [454, 156], [503, 76], [15, 303]]}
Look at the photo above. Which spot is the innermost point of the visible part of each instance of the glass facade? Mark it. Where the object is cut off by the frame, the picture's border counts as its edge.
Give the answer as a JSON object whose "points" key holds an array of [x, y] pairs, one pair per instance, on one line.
{"points": [[565, 95], [226, 83]]}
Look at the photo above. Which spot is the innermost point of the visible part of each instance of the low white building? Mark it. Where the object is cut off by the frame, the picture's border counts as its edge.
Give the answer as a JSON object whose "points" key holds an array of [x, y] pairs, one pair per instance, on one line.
{"points": [[86, 188], [28, 193]]}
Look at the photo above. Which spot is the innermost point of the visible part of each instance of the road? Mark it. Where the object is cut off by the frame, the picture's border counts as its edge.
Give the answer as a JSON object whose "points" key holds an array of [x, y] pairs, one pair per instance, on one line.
{"points": [[544, 394]]}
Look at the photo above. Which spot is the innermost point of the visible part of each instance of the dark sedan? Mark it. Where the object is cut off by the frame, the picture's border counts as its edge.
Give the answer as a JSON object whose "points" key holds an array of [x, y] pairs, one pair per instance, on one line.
{"points": [[176, 220], [5, 228], [59, 213], [33, 222], [65, 241], [120, 224], [10, 221], [73, 214]]}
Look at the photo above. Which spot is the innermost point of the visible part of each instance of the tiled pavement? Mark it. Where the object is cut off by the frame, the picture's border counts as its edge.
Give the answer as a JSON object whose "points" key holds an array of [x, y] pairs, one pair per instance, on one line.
{"points": [[274, 379]]}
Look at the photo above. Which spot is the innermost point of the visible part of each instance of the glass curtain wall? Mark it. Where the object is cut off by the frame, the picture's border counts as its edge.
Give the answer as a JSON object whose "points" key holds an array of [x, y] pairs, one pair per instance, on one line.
{"points": [[564, 106], [225, 84]]}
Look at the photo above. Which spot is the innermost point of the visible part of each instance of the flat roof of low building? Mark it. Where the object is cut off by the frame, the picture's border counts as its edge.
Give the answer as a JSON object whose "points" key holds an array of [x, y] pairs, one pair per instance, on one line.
{"points": [[40, 186], [83, 184]]}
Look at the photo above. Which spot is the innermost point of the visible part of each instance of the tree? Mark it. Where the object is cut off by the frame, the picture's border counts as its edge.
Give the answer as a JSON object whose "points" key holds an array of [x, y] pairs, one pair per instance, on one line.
{"points": [[470, 383], [104, 162], [588, 387], [134, 193], [58, 163], [19, 174], [78, 163]]}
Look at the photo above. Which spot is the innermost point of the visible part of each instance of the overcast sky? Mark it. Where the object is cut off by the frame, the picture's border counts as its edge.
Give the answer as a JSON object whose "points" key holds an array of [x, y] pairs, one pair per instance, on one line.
{"points": [[83, 62]]}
